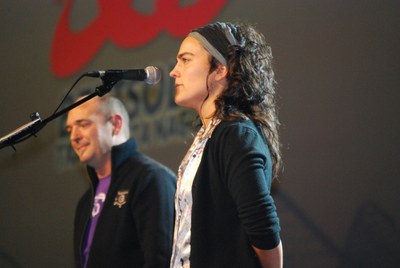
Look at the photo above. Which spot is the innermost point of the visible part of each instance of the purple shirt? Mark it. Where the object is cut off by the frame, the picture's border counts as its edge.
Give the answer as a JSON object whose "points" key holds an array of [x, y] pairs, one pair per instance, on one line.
{"points": [[98, 203]]}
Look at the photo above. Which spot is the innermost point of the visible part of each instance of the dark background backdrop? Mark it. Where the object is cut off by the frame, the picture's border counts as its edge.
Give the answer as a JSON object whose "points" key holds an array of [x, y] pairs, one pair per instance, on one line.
{"points": [[337, 65]]}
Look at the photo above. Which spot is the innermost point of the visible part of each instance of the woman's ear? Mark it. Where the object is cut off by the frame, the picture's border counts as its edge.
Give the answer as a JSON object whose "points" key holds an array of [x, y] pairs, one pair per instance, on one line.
{"points": [[221, 72]]}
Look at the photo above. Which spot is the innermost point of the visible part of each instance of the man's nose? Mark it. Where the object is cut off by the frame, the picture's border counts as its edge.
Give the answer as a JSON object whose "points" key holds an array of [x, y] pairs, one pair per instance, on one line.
{"points": [[75, 134]]}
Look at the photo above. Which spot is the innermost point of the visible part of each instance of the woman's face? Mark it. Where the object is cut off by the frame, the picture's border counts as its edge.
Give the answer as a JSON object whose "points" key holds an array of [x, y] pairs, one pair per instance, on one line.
{"points": [[191, 73]]}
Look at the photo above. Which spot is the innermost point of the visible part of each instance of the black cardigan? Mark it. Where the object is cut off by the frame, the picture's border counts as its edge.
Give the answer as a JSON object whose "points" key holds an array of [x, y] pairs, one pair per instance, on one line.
{"points": [[137, 233], [232, 205]]}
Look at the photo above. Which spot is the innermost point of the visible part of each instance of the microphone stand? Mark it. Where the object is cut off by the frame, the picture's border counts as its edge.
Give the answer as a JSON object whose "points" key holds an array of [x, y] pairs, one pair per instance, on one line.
{"points": [[30, 129]]}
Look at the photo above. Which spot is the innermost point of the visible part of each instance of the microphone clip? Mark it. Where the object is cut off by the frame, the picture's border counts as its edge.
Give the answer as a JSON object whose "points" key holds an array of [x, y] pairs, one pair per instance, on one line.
{"points": [[106, 86]]}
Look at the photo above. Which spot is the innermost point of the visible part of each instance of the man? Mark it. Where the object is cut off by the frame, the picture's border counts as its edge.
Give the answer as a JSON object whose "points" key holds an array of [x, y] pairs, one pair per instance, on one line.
{"points": [[126, 218]]}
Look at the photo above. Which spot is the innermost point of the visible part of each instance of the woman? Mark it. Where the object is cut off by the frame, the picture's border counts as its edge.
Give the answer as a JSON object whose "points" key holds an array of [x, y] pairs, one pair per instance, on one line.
{"points": [[225, 215]]}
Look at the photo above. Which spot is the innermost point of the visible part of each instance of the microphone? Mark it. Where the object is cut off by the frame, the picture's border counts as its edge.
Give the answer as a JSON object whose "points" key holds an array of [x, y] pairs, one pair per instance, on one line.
{"points": [[151, 75]]}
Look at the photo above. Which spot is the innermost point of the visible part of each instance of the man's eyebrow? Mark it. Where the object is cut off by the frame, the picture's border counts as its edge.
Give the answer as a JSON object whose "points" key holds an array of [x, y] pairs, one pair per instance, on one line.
{"points": [[79, 121]]}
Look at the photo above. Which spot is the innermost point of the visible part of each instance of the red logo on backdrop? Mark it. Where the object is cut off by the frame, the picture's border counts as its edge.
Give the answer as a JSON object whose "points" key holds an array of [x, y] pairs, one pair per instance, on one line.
{"points": [[120, 23]]}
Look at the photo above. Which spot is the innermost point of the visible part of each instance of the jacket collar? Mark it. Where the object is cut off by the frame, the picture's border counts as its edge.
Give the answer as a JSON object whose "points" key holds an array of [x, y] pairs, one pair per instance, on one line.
{"points": [[119, 154]]}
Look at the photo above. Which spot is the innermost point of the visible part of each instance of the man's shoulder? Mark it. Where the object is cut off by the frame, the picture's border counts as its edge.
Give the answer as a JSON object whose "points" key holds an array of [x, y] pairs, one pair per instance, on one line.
{"points": [[145, 166]]}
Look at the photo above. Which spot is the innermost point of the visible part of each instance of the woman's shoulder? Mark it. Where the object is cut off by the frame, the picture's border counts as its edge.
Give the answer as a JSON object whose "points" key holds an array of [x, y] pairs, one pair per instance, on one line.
{"points": [[238, 124], [236, 130]]}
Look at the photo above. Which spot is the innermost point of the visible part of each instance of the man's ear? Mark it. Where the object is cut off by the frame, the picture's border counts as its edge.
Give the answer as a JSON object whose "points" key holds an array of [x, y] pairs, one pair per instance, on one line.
{"points": [[221, 71], [116, 121]]}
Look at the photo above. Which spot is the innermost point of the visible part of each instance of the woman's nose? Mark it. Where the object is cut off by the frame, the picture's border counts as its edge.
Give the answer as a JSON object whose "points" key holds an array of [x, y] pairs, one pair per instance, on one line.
{"points": [[173, 73]]}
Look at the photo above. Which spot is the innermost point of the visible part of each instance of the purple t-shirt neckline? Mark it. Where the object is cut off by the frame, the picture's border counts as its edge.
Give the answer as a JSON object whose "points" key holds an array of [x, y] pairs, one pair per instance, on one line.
{"points": [[99, 198]]}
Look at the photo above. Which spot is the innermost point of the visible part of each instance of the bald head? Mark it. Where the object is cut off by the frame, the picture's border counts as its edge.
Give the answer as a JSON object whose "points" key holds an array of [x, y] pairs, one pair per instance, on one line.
{"points": [[108, 106], [95, 127]]}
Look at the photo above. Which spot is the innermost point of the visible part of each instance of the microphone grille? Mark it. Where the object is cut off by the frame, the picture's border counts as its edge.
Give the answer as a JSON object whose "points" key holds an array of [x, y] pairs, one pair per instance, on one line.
{"points": [[153, 75]]}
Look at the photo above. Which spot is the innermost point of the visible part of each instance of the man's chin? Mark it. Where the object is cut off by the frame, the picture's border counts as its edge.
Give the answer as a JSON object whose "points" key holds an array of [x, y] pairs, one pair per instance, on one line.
{"points": [[84, 158]]}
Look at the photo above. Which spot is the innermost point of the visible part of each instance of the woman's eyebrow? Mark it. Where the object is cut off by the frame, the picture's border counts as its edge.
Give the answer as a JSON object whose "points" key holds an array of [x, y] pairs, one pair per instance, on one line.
{"points": [[184, 54]]}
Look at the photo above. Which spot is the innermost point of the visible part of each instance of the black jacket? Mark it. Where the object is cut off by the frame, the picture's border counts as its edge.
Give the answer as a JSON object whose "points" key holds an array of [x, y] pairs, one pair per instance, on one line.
{"points": [[232, 205], [135, 227]]}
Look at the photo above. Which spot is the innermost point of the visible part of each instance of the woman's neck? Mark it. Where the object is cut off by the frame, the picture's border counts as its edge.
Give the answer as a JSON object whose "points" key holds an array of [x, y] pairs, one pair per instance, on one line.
{"points": [[207, 110]]}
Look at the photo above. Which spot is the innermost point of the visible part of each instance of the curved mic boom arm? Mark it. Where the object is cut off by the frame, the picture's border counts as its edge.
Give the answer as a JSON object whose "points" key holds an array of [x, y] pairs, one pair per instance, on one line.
{"points": [[30, 129]]}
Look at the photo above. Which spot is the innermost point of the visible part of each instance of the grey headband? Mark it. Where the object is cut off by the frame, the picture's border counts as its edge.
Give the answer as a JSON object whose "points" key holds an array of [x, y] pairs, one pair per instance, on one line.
{"points": [[215, 40]]}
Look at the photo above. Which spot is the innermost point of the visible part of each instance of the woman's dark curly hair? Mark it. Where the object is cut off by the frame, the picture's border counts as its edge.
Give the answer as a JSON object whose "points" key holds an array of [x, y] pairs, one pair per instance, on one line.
{"points": [[251, 86]]}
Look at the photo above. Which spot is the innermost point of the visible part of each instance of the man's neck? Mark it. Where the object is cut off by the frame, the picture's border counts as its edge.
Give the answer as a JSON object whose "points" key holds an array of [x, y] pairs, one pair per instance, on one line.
{"points": [[105, 170]]}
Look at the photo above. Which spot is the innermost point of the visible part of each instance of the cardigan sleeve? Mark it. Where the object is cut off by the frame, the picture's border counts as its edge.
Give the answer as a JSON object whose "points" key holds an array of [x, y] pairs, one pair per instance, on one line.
{"points": [[246, 172]]}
